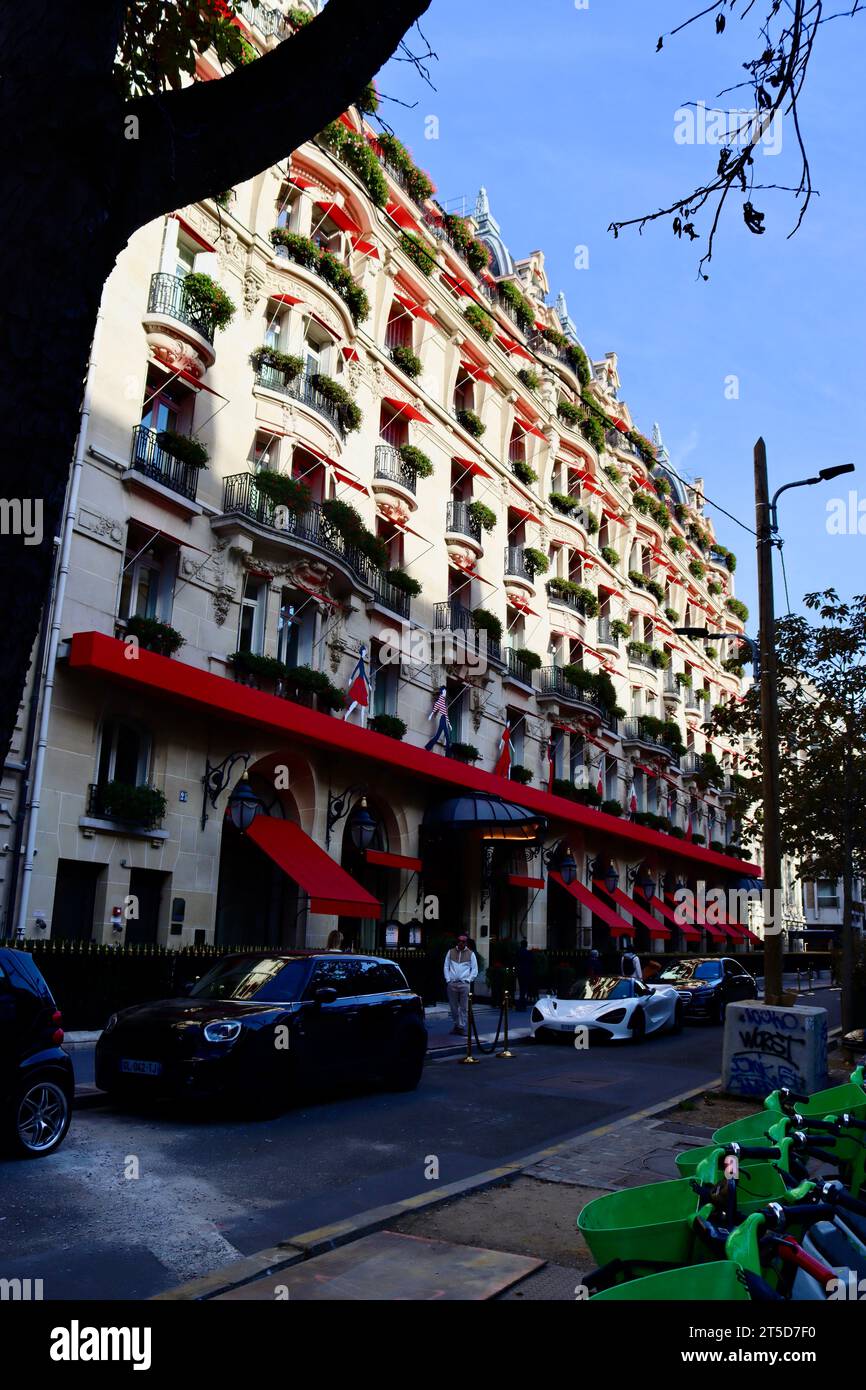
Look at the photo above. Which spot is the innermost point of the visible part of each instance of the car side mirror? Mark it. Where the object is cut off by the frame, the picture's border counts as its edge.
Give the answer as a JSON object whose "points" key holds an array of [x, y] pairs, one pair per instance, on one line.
{"points": [[326, 995]]}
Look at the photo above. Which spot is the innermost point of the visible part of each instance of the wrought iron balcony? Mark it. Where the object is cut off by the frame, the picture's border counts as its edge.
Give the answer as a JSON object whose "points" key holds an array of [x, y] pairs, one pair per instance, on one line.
{"points": [[456, 617], [301, 388], [242, 497], [690, 763], [518, 668], [262, 17], [604, 633], [516, 563], [460, 521], [153, 461], [390, 467], [635, 730], [168, 296], [641, 659], [692, 701], [671, 684]]}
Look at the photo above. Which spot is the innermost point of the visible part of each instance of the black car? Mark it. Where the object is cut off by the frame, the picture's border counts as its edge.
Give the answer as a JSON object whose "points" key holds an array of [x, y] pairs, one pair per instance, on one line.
{"points": [[708, 984], [259, 1027], [37, 1085]]}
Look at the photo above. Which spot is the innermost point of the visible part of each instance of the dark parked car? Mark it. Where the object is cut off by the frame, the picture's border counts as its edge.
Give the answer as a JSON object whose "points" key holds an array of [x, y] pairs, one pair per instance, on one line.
{"points": [[258, 1027], [708, 984], [37, 1085]]}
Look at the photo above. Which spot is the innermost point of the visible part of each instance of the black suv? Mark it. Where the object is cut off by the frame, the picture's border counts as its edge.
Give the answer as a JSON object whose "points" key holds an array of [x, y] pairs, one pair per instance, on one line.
{"points": [[37, 1085], [260, 1026], [708, 984]]}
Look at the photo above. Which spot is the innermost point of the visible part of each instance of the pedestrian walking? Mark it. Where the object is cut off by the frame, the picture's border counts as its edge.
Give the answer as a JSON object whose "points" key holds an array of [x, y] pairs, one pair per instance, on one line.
{"points": [[443, 726], [630, 965], [525, 974], [461, 968]]}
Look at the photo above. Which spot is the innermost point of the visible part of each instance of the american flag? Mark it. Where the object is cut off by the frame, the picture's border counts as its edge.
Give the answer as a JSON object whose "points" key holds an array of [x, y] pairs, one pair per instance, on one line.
{"points": [[441, 705]]}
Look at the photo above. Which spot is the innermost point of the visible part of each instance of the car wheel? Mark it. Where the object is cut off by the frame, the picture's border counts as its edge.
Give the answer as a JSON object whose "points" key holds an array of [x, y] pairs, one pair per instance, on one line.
{"points": [[638, 1026], [40, 1115], [404, 1073], [677, 1025]]}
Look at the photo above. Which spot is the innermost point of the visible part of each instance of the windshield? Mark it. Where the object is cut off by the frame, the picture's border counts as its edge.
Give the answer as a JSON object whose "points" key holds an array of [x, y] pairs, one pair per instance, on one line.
{"points": [[253, 977], [693, 970], [608, 987]]}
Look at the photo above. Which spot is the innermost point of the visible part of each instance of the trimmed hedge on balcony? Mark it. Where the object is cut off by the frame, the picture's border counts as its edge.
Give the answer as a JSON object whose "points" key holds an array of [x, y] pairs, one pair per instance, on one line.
{"points": [[205, 297], [418, 184], [408, 361], [389, 725], [183, 448], [563, 502], [350, 525], [418, 254], [483, 515], [523, 310], [154, 636], [584, 600], [489, 623], [471, 422], [480, 320], [355, 152], [142, 805], [285, 362], [417, 459], [282, 490], [348, 410], [522, 470], [327, 266]]}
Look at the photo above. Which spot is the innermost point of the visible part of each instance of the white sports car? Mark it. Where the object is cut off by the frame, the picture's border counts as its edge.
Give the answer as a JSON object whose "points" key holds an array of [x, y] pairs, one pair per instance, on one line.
{"points": [[610, 1008]]}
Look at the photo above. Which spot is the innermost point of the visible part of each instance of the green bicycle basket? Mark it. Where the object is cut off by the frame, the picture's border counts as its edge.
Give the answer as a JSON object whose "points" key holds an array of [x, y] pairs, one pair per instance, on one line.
{"points": [[717, 1281]]}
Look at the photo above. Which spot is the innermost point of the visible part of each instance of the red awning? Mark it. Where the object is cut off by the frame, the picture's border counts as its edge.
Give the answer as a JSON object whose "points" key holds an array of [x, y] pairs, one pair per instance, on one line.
{"points": [[298, 181], [98, 656], [409, 412], [472, 466], [477, 373], [617, 926], [404, 219], [524, 514], [166, 535], [510, 345], [340, 217], [689, 933], [638, 913], [459, 284], [188, 377], [191, 232], [366, 248], [331, 890], [517, 601], [393, 861], [415, 309], [285, 298], [531, 429], [752, 936], [350, 354], [524, 881], [468, 570]]}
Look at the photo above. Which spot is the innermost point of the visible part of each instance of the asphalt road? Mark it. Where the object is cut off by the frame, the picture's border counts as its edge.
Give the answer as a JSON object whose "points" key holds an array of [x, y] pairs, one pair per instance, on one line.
{"points": [[137, 1202]]}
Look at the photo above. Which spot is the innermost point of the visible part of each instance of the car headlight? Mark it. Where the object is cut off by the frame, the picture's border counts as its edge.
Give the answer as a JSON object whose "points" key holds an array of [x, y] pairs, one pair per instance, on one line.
{"points": [[223, 1030], [112, 1023], [612, 1016]]}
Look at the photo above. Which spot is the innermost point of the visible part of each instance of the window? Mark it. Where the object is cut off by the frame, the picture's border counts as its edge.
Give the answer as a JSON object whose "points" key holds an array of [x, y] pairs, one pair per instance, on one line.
{"points": [[379, 977], [317, 352], [251, 634], [148, 575], [274, 330], [386, 683], [185, 255], [295, 628], [517, 720], [124, 753], [464, 392], [828, 893], [576, 771], [178, 913], [339, 974], [456, 696], [399, 330], [393, 427]]}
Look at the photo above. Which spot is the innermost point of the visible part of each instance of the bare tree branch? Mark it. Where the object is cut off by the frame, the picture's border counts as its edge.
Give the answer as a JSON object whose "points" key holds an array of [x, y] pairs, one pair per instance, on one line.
{"points": [[775, 80]]}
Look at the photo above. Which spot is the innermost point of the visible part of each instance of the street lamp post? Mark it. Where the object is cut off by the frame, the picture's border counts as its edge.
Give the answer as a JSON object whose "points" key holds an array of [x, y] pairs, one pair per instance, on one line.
{"points": [[766, 527]]}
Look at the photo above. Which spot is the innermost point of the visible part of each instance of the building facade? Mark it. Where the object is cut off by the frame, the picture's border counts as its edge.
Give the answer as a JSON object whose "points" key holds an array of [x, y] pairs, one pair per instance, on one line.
{"points": [[393, 473]]}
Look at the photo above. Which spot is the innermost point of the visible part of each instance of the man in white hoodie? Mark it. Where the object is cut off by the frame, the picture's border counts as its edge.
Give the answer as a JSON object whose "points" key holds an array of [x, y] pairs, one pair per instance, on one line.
{"points": [[461, 968]]}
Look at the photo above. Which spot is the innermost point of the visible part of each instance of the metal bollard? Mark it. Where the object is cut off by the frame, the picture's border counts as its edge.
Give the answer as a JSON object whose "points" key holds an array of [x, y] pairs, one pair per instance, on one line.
{"points": [[505, 1052], [468, 1059]]}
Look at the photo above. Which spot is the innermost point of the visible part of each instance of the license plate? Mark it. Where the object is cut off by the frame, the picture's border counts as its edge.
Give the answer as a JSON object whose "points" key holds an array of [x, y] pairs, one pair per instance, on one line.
{"points": [[140, 1068]]}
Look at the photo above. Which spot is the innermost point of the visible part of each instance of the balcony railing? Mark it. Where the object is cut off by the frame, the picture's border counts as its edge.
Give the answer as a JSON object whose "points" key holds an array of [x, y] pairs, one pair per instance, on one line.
{"points": [[301, 388], [634, 729], [242, 497], [692, 701], [516, 563], [641, 659], [691, 763], [460, 521], [573, 601], [672, 686], [518, 668], [390, 467], [456, 617], [168, 296], [151, 460], [604, 633], [266, 20]]}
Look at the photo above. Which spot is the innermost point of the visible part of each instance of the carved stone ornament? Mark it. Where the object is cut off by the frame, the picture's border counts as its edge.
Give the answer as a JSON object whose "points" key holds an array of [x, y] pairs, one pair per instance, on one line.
{"points": [[222, 602], [253, 287], [99, 525], [175, 352]]}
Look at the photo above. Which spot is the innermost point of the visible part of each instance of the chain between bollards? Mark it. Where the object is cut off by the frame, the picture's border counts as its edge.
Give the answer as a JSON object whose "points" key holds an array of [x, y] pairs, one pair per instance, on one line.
{"points": [[469, 1059], [505, 1050]]}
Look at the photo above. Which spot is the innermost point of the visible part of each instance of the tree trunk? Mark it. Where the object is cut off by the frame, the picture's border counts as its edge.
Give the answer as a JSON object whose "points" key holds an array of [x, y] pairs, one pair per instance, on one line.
{"points": [[847, 972], [74, 187]]}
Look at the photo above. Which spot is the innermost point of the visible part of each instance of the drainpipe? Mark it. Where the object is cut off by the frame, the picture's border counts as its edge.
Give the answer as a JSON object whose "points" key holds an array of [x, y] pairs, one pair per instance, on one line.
{"points": [[54, 637]]}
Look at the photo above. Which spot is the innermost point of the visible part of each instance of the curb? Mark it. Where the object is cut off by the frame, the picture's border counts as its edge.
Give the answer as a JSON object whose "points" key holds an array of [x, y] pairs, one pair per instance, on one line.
{"points": [[306, 1244]]}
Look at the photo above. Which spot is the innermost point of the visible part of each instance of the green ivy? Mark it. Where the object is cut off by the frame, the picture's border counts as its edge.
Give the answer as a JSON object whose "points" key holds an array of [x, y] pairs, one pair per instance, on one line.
{"points": [[519, 303]]}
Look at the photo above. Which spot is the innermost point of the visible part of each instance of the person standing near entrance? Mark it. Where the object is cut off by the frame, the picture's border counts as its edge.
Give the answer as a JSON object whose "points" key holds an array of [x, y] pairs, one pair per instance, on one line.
{"points": [[525, 974], [461, 968], [630, 964]]}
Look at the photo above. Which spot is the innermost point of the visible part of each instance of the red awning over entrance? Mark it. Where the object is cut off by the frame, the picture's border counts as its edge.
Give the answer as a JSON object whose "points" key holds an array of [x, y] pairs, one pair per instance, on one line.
{"points": [[640, 914], [610, 918], [393, 861], [689, 933], [330, 888]]}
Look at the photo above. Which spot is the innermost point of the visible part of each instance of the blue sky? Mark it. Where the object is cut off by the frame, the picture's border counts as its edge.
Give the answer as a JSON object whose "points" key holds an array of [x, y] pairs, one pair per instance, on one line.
{"points": [[566, 115]]}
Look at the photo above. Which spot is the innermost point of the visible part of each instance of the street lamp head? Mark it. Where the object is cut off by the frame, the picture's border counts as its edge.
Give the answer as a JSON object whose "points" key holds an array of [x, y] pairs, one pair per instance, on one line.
{"points": [[647, 887], [567, 866], [243, 805], [611, 880], [699, 632], [363, 826], [825, 474]]}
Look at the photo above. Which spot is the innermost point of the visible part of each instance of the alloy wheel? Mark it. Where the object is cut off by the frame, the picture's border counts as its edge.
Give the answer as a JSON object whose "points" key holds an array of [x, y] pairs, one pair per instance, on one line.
{"points": [[42, 1114]]}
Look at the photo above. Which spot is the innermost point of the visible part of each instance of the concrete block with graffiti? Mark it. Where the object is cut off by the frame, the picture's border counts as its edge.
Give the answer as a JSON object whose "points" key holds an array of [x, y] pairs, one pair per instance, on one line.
{"points": [[767, 1047]]}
